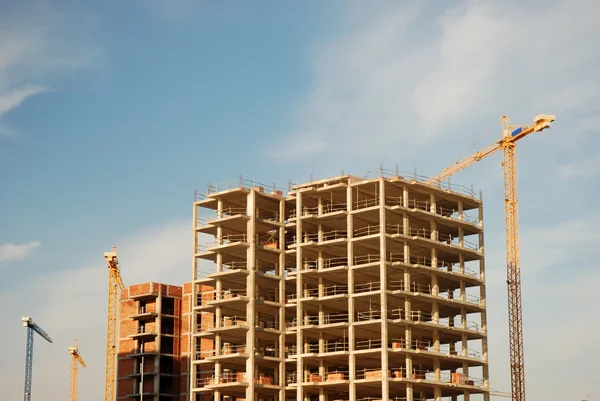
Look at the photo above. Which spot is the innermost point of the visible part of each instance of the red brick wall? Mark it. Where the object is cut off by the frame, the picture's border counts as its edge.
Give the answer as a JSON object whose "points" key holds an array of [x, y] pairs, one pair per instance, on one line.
{"points": [[127, 327], [126, 367], [174, 291], [142, 289], [127, 307], [149, 346], [151, 306], [125, 386], [149, 384], [126, 346]]}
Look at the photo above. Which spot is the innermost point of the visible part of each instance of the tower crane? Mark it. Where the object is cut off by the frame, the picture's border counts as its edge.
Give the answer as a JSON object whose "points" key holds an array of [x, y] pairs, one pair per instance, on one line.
{"points": [[76, 360], [114, 284], [31, 327], [510, 135]]}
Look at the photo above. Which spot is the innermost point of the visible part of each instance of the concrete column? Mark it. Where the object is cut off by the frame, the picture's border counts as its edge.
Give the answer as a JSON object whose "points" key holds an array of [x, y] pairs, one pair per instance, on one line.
{"points": [[158, 341], [483, 315], [383, 280], [219, 235], [251, 292], [281, 313], [299, 311], [193, 320], [351, 312]]}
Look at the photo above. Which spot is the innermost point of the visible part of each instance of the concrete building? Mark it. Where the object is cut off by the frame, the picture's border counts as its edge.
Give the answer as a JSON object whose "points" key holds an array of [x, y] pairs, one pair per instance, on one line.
{"points": [[344, 289], [150, 328]]}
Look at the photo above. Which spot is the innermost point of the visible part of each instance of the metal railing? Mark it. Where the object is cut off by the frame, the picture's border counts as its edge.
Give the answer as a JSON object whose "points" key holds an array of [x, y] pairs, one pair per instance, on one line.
{"points": [[367, 287], [332, 318], [394, 201], [266, 295], [328, 347], [336, 289], [268, 351], [241, 182], [145, 330], [229, 321], [267, 215], [333, 235], [228, 349], [412, 176], [365, 203], [420, 288], [334, 207], [267, 324], [362, 316], [371, 374], [367, 230], [234, 265], [204, 354], [396, 285], [291, 378], [367, 344], [334, 262], [336, 375]]}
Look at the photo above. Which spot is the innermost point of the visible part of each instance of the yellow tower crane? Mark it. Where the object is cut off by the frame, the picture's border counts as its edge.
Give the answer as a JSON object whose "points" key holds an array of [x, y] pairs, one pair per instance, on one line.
{"points": [[510, 135], [114, 283], [76, 360]]}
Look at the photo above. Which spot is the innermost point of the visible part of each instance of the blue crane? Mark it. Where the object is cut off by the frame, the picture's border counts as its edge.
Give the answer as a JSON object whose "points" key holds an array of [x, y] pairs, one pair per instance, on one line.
{"points": [[31, 327]]}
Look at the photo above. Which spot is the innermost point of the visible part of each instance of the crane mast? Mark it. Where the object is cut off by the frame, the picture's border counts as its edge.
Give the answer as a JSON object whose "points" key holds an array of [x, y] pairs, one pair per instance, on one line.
{"points": [[114, 284], [510, 135], [76, 360], [32, 328]]}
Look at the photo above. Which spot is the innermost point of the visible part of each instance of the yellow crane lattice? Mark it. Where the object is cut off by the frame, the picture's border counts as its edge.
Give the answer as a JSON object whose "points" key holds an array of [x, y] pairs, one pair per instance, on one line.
{"points": [[76, 360], [510, 135], [114, 284]]}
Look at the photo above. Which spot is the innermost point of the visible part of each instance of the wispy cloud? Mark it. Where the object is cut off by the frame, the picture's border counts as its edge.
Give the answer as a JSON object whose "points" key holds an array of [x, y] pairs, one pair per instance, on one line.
{"points": [[38, 42], [10, 251], [16, 96], [402, 79]]}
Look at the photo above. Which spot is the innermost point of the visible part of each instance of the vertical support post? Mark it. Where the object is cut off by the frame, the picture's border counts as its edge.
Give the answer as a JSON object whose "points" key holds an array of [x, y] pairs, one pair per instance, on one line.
{"points": [[383, 290], [251, 291]]}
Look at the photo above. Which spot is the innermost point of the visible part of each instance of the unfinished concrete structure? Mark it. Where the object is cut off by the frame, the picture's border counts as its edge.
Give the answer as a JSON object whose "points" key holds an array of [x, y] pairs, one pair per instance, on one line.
{"points": [[344, 289], [150, 331]]}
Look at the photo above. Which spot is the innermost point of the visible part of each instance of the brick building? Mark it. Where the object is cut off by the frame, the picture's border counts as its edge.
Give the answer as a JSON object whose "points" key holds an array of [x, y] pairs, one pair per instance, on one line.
{"points": [[152, 320]]}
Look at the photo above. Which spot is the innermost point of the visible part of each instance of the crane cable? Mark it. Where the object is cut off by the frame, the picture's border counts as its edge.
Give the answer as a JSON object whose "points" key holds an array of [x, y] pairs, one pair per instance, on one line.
{"points": [[484, 135]]}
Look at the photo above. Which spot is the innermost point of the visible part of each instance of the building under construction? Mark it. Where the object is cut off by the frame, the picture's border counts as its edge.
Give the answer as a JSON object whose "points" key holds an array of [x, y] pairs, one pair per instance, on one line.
{"points": [[344, 289], [150, 359]]}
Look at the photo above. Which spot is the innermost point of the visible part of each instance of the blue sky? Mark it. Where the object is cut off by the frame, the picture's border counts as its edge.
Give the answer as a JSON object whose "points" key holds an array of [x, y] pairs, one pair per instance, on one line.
{"points": [[113, 113]]}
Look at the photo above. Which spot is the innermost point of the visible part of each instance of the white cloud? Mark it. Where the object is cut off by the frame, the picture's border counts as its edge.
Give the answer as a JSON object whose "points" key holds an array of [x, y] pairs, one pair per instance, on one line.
{"points": [[10, 251], [405, 79], [72, 303], [37, 43], [17, 96]]}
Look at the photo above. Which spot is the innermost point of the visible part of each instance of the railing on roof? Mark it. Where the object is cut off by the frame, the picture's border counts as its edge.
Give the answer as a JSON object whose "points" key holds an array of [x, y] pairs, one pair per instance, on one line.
{"points": [[241, 182], [445, 185]]}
